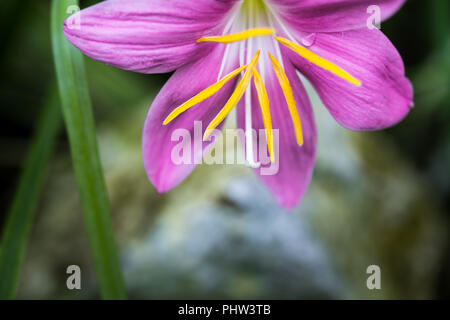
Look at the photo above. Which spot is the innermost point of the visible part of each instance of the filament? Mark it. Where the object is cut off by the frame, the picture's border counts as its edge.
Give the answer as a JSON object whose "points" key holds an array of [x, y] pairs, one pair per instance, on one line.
{"points": [[319, 61], [234, 37], [235, 97], [287, 90], [265, 110], [203, 95]]}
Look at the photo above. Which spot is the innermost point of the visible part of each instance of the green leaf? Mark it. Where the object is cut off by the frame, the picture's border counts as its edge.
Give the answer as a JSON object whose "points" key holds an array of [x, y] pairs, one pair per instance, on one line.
{"points": [[22, 210], [79, 119]]}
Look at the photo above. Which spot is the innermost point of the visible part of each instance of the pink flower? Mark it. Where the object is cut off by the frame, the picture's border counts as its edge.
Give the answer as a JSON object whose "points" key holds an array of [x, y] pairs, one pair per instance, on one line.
{"points": [[356, 71]]}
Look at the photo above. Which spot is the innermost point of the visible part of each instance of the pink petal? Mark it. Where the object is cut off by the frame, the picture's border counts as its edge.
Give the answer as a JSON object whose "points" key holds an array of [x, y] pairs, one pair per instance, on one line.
{"points": [[296, 164], [185, 83], [332, 15], [148, 36], [385, 96]]}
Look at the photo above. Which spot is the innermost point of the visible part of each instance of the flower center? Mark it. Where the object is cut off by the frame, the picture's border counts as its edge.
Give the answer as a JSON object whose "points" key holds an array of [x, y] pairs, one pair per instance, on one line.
{"points": [[255, 19]]}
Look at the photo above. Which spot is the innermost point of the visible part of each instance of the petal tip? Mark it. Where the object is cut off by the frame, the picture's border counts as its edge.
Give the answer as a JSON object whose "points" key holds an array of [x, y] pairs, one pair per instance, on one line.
{"points": [[68, 31], [289, 206], [65, 27], [160, 188]]}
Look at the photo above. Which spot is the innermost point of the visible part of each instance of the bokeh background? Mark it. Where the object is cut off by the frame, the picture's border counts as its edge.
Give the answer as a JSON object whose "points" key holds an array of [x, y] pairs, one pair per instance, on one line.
{"points": [[376, 198]]}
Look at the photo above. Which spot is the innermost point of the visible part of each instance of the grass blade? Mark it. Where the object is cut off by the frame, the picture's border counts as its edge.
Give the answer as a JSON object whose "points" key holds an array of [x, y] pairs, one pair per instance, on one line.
{"points": [[78, 116], [23, 207]]}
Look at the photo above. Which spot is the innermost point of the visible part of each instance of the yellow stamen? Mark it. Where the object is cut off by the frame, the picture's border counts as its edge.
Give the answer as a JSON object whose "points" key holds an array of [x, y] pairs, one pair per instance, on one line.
{"points": [[287, 90], [319, 61], [235, 97], [265, 110], [238, 36], [203, 95]]}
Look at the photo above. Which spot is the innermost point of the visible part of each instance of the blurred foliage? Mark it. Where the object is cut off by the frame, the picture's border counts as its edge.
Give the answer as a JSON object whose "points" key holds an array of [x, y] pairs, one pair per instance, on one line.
{"points": [[418, 150]]}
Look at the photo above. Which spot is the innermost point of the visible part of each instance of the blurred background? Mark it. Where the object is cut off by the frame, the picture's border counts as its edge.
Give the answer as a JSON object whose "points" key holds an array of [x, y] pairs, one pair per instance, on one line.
{"points": [[376, 198]]}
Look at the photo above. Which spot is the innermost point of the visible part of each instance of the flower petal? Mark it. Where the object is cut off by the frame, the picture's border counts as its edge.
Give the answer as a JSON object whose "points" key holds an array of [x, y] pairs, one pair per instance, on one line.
{"points": [[147, 36], [295, 163], [385, 96], [163, 171], [332, 15]]}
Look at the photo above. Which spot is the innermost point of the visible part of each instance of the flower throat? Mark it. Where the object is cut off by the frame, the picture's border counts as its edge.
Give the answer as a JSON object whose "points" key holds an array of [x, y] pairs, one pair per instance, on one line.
{"points": [[250, 21]]}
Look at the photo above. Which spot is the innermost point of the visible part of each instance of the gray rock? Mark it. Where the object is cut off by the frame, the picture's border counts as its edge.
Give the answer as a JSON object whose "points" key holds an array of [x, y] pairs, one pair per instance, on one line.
{"points": [[244, 247]]}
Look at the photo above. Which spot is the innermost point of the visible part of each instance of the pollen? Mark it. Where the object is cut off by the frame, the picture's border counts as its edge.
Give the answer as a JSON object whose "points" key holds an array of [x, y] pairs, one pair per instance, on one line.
{"points": [[319, 61], [229, 38], [235, 97], [289, 96]]}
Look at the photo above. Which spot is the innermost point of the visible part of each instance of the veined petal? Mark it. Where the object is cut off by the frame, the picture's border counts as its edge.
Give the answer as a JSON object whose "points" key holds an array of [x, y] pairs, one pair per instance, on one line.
{"points": [[293, 164], [332, 15], [385, 96], [148, 36], [185, 83]]}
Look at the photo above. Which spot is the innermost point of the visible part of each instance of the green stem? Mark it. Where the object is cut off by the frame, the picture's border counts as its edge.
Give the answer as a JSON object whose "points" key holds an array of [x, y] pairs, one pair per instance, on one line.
{"points": [[23, 207], [79, 119], [440, 25]]}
